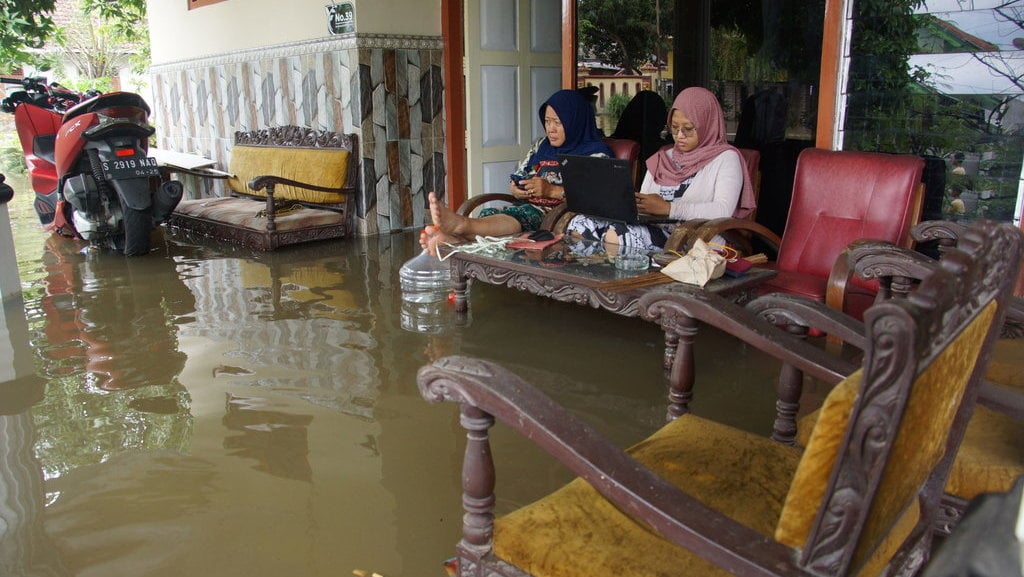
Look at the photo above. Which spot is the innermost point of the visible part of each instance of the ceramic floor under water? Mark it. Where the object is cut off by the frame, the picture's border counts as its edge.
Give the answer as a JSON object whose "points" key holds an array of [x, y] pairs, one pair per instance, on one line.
{"points": [[212, 411]]}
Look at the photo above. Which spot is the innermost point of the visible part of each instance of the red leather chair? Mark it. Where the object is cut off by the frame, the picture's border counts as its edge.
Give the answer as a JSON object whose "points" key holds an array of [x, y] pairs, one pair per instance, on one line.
{"points": [[838, 197]]}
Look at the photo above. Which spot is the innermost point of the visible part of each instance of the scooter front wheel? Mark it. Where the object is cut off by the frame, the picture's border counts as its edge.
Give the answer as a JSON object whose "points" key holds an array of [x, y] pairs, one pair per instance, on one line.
{"points": [[138, 226]]}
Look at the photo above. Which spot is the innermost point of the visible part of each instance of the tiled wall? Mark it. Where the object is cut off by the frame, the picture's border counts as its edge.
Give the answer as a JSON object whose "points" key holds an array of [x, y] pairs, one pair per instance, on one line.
{"points": [[388, 90]]}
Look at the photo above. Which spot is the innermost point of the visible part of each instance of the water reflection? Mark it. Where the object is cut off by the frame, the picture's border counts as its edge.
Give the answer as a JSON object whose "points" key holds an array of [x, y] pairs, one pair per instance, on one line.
{"points": [[206, 400], [115, 317], [25, 548]]}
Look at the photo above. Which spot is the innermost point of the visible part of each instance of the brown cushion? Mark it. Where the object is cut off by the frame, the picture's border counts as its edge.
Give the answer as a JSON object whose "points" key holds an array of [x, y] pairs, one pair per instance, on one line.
{"points": [[326, 167], [576, 532], [245, 212]]}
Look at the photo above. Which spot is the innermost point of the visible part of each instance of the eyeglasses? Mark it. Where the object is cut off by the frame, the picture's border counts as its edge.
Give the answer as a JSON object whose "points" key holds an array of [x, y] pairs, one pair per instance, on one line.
{"points": [[686, 131]]}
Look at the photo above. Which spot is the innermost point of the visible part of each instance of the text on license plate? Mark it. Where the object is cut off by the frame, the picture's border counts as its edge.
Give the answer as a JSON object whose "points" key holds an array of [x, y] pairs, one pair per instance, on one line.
{"points": [[134, 167]]}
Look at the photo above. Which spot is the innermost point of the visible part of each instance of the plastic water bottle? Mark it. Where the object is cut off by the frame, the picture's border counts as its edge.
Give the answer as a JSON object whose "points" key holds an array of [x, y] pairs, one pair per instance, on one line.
{"points": [[425, 279]]}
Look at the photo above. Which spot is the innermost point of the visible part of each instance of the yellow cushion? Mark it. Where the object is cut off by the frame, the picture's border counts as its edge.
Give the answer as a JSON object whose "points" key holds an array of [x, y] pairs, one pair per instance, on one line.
{"points": [[919, 444], [576, 532], [989, 459], [1007, 365], [991, 456], [823, 444], [326, 167]]}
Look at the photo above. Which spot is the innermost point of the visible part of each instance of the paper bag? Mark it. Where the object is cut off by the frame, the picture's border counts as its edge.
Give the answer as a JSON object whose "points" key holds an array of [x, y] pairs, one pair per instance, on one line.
{"points": [[698, 266]]}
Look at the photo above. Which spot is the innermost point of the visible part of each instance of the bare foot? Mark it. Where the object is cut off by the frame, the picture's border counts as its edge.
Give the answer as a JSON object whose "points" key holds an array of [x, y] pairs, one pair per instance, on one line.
{"points": [[445, 219], [432, 236]]}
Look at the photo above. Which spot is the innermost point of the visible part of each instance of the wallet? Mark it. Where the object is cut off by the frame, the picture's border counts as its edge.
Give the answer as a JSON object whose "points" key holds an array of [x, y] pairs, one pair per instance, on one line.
{"points": [[524, 242], [737, 267]]}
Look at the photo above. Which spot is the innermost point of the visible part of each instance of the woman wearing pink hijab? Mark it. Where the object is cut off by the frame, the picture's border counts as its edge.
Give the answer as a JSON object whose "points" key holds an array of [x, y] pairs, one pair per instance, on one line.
{"points": [[699, 176]]}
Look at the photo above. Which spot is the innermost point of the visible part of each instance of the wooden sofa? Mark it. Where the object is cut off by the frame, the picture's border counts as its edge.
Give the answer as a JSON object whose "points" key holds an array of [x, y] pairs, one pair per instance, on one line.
{"points": [[286, 185]]}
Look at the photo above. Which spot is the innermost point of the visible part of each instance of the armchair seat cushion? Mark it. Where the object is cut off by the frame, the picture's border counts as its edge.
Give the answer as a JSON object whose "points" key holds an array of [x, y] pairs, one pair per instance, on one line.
{"points": [[797, 283], [576, 532], [244, 213]]}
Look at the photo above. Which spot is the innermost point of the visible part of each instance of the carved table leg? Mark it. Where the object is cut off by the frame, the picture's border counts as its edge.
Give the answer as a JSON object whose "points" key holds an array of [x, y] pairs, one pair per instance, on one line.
{"points": [[460, 286]]}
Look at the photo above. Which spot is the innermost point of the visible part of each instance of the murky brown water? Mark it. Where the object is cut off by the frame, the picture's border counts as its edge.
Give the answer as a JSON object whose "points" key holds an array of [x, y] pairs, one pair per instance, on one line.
{"points": [[212, 411]]}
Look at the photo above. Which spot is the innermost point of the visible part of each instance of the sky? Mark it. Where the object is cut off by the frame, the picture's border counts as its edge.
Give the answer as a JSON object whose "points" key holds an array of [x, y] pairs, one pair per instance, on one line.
{"points": [[980, 73]]}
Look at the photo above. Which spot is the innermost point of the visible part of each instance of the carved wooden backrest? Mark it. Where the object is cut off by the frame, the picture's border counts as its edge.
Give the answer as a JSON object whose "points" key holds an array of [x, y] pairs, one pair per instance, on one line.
{"points": [[879, 446], [324, 159], [303, 137]]}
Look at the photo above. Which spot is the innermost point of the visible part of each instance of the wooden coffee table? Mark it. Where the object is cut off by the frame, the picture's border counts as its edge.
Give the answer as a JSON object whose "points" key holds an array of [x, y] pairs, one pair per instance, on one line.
{"points": [[580, 272]]}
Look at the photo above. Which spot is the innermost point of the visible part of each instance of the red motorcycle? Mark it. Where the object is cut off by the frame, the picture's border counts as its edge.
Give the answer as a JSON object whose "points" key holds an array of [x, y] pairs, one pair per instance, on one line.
{"points": [[92, 164], [37, 123]]}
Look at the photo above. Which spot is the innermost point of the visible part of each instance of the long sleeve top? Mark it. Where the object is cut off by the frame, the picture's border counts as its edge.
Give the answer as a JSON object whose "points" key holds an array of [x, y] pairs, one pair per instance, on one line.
{"points": [[713, 192]]}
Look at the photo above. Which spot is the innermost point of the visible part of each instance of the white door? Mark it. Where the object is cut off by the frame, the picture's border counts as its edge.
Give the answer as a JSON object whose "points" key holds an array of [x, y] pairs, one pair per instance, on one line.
{"points": [[513, 64]]}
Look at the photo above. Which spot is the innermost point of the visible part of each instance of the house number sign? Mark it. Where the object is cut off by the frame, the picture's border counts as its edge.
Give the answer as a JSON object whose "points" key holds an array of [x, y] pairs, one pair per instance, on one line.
{"points": [[341, 18]]}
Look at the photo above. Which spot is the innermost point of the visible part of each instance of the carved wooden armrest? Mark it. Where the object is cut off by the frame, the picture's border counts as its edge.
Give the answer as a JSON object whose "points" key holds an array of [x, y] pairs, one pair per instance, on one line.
{"points": [[268, 182], [716, 226], [486, 391], [474, 202], [676, 312], [897, 269], [795, 310], [944, 231], [557, 218], [682, 233]]}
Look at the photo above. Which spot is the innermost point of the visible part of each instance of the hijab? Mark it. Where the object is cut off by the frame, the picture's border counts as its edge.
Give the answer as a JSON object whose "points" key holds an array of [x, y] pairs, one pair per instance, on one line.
{"points": [[581, 134], [669, 166]]}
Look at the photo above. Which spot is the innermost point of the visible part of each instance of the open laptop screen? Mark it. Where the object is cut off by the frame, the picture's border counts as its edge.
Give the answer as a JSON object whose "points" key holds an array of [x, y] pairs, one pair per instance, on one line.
{"points": [[599, 186]]}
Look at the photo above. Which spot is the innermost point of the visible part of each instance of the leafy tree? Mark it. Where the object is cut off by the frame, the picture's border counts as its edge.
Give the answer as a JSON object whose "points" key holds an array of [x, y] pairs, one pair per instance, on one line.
{"points": [[26, 25], [879, 105], [125, 22], [623, 33]]}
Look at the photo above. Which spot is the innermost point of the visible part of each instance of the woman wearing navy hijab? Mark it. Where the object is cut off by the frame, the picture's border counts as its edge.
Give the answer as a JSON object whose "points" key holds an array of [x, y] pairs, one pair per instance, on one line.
{"points": [[570, 128]]}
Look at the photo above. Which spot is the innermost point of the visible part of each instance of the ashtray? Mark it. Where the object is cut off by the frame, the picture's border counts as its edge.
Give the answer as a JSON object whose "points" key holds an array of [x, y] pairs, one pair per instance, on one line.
{"points": [[631, 261]]}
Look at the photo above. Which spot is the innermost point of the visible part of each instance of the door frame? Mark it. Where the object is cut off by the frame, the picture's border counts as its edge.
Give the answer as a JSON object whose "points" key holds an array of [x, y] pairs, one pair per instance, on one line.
{"points": [[453, 69]]}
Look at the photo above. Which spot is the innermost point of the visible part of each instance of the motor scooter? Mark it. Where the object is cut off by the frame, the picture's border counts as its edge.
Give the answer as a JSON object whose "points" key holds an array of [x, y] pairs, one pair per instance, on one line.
{"points": [[37, 123], [107, 189]]}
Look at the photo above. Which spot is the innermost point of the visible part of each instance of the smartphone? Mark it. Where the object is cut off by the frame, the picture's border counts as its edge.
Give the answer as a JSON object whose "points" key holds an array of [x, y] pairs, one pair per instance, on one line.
{"points": [[515, 178]]}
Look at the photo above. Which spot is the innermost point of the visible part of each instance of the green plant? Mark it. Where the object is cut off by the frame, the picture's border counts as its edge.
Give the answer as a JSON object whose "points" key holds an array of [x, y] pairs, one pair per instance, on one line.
{"points": [[614, 106], [12, 160]]}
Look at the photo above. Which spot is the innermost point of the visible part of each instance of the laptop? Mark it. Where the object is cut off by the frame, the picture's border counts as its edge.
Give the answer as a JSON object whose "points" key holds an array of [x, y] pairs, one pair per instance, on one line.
{"points": [[599, 186]]}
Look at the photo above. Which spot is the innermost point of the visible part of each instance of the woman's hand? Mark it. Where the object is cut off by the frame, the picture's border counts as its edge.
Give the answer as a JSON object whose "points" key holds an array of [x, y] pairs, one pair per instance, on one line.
{"points": [[538, 187], [519, 191], [652, 204]]}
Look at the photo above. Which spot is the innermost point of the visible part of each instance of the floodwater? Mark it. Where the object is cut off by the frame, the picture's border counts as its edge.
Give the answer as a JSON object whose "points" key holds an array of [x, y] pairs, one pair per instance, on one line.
{"points": [[207, 410]]}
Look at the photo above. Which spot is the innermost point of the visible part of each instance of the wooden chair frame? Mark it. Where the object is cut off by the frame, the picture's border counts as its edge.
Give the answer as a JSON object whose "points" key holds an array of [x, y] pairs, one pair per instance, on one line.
{"points": [[901, 334]]}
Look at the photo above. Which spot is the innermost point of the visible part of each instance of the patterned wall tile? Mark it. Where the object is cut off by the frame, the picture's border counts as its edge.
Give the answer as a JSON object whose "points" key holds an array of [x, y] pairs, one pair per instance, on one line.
{"points": [[386, 89]]}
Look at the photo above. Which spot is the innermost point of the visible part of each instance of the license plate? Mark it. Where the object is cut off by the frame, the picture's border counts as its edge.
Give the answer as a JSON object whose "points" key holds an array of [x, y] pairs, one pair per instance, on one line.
{"points": [[132, 167]]}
